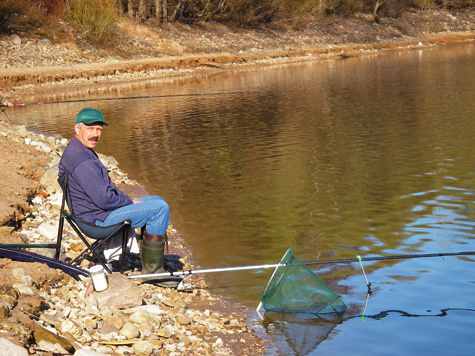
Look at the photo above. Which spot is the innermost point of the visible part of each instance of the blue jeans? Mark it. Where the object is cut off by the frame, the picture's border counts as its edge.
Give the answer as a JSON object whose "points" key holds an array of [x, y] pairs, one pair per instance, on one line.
{"points": [[153, 213]]}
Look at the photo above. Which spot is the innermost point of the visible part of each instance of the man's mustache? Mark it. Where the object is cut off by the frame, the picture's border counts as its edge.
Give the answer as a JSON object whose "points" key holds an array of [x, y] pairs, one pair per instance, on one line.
{"points": [[95, 138]]}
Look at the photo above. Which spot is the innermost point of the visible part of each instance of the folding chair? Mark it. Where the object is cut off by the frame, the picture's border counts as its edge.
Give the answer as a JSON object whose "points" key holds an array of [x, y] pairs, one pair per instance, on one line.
{"points": [[83, 229]]}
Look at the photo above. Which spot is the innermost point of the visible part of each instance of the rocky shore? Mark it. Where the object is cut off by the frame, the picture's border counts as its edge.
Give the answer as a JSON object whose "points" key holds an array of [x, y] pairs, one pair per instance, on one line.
{"points": [[44, 311]]}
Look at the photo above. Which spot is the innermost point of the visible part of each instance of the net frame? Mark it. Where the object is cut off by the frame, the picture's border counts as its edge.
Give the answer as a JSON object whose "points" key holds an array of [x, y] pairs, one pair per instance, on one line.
{"points": [[295, 288]]}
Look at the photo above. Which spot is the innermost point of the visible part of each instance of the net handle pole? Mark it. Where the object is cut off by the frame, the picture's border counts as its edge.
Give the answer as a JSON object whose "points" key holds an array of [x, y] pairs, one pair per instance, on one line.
{"points": [[199, 271], [342, 260]]}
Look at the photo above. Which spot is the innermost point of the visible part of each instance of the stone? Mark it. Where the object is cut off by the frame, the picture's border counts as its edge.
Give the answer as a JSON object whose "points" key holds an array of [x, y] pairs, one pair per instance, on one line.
{"points": [[194, 339], [145, 329], [164, 332], [49, 179], [4, 311], [70, 327], [50, 319], [48, 231], [183, 319], [23, 290], [170, 303], [151, 309], [108, 161], [42, 334], [129, 331], [115, 320], [46, 42], [142, 348], [143, 317], [47, 252], [108, 329], [172, 347], [76, 246], [26, 280], [9, 294], [18, 272], [185, 340], [121, 293], [15, 39], [41, 146], [50, 347], [11, 349]]}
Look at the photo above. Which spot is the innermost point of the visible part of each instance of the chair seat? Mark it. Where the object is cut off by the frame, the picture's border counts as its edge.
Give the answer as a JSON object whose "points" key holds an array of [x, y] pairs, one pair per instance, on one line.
{"points": [[94, 231]]}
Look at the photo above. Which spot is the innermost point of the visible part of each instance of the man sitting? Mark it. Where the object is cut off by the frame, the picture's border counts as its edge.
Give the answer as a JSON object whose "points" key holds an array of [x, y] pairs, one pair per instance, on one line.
{"points": [[96, 200]]}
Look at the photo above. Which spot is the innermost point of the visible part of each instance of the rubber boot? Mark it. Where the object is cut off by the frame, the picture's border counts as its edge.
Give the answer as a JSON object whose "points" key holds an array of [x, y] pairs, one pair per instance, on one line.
{"points": [[151, 254]]}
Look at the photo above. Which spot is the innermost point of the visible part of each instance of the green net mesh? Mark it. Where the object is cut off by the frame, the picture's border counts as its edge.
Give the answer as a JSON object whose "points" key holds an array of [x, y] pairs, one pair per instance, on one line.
{"points": [[294, 288]]}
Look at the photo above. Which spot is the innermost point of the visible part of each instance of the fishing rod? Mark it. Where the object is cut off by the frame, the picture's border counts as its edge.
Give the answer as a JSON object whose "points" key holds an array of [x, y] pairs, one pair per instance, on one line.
{"points": [[130, 98], [275, 265]]}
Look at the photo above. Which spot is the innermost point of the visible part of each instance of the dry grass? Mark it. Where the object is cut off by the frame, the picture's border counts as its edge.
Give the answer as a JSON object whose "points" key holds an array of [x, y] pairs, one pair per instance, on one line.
{"points": [[96, 21]]}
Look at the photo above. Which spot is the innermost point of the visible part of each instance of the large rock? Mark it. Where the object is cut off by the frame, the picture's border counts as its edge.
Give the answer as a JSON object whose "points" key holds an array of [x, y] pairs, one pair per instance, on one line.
{"points": [[121, 293], [50, 180], [9, 348], [49, 231], [43, 335]]}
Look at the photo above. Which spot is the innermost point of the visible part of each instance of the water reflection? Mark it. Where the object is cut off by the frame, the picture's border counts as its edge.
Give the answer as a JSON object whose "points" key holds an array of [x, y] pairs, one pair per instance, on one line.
{"points": [[301, 334], [298, 334]]}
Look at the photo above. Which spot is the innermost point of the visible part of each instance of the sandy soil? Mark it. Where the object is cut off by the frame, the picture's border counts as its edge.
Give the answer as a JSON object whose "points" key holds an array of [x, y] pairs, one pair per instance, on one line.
{"points": [[20, 171]]}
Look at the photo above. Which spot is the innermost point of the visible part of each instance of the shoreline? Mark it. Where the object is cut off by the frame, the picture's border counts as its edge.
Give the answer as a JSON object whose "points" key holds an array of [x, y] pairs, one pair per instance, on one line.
{"points": [[64, 87], [66, 82]]}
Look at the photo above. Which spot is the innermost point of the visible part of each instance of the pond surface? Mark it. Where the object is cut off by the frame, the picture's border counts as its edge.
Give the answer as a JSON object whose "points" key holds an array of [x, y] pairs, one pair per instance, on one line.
{"points": [[372, 156]]}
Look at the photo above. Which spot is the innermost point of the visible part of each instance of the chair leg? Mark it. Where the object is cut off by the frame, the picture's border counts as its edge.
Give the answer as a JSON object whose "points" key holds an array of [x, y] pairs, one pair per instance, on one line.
{"points": [[59, 239], [125, 236], [91, 249]]}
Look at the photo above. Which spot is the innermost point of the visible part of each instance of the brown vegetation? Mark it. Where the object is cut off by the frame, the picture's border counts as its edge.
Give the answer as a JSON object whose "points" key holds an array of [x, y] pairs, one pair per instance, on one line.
{"points": [[97, 20]]}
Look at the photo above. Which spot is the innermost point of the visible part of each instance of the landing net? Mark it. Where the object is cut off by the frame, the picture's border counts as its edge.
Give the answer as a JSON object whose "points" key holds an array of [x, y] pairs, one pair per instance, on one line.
{"points": [[295, 288]]}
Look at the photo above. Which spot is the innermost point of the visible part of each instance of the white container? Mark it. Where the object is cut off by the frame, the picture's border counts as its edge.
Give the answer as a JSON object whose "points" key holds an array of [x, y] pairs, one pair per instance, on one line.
{"points": [[99, 278]]}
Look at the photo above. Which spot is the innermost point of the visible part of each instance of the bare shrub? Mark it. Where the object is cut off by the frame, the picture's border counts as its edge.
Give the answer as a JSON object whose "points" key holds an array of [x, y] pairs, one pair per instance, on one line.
{"points": [[95, 19]]}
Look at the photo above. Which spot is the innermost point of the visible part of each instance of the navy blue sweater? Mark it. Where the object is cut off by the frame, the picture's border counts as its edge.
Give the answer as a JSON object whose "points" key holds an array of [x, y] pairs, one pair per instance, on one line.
{"points": [[93, 195]]}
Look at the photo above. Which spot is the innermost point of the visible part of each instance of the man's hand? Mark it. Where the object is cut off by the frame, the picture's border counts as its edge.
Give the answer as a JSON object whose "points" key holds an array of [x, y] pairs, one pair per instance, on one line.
{"points": [[135, 201]]}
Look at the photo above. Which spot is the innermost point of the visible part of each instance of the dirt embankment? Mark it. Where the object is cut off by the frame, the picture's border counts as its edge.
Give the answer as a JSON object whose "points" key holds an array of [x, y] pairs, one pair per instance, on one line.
{"points": [[20, 172]]}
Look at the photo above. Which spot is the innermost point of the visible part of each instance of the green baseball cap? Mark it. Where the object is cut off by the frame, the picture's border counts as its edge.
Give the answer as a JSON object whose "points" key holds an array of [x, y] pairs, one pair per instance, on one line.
{"points": [[90, 116]]}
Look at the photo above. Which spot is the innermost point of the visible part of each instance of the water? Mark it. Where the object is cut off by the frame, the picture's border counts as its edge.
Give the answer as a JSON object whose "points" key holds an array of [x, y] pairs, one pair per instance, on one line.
{"points": [[369, 156]]}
